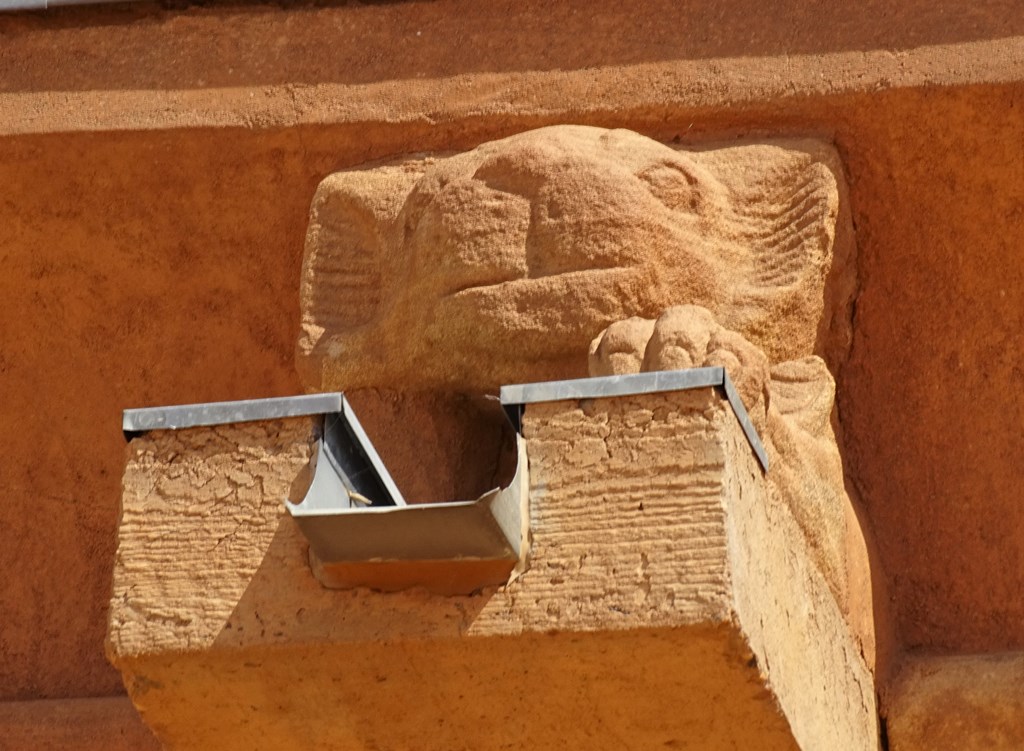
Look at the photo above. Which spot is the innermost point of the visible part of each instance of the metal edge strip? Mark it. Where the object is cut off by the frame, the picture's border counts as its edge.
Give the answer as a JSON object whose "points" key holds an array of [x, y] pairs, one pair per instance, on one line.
{"points": [[220, 413], [515, 396], [608, 386], [736, 402]]}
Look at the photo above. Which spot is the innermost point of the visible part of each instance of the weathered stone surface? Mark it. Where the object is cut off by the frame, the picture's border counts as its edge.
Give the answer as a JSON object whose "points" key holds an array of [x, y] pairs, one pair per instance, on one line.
{"points": [[578, 60], [957, 701], [780, 595], [817, 659], [655, 558], [600, 690], [620, 347], [502, 263], [808, 471], [792, 404], [199, 512]]}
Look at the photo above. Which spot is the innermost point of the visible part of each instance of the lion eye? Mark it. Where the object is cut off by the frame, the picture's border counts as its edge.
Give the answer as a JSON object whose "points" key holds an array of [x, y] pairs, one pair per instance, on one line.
{"points": [[673, 185]]}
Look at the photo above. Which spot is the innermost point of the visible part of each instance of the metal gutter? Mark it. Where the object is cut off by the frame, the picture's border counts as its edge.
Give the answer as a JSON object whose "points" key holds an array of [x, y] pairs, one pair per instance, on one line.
{"points": [[451, 548], [513, 398], [360, 530]]}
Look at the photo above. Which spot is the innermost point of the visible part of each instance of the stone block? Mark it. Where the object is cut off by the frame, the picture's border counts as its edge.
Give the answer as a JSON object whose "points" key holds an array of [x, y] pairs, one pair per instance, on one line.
{"points": [[666, 602]]}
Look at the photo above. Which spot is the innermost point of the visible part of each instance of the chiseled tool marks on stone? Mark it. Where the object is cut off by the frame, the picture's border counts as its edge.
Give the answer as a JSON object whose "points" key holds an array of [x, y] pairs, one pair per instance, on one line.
{"points": [[345, 271], [627, 494], [198, 512], [788, 215], [209, 558]]}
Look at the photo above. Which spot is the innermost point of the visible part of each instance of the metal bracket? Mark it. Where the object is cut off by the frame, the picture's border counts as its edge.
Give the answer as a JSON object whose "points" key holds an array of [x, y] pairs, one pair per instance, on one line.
{"points": [[348, 469], [513, 398]]}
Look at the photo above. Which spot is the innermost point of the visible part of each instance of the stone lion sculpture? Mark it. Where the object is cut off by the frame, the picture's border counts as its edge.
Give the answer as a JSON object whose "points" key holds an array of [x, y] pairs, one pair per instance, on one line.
{"points": [[502, 263], [517, 260]]}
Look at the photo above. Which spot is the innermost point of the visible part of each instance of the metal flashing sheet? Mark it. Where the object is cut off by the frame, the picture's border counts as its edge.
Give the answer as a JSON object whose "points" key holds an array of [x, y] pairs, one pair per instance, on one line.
{"points": [[513, 398], [221, 413], [610, 386]]}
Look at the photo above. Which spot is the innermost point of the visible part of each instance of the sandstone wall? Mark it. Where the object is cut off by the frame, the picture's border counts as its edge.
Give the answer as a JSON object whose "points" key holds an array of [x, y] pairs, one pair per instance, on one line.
{"points": [[138, 199]]}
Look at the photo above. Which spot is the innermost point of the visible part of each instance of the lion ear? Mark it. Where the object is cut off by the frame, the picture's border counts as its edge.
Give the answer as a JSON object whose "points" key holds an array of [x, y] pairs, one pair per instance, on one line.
{"points": [[347, 264], [778, 217]]}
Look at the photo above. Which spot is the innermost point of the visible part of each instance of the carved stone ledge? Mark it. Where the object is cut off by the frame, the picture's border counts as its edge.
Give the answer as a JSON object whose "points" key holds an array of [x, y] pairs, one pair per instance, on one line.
{"points": [[667, 601]]}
